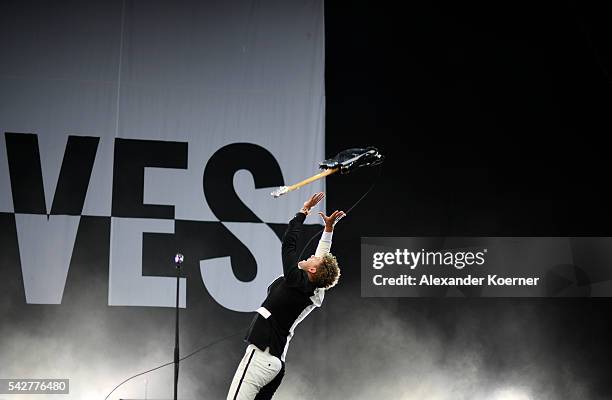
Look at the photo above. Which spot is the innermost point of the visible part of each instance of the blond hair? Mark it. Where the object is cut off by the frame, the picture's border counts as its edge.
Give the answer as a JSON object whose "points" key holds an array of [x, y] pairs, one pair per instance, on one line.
{"points": [[328, 273]]}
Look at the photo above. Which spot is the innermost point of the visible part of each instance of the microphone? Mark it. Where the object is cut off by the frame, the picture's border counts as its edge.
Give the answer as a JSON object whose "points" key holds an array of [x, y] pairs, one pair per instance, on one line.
{"points": [[178, 259]]}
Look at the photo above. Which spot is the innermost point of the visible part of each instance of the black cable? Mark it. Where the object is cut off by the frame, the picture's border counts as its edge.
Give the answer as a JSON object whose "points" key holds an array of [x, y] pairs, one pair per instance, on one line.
{"points": [[349, 210], [237, 333], [172, 362]]}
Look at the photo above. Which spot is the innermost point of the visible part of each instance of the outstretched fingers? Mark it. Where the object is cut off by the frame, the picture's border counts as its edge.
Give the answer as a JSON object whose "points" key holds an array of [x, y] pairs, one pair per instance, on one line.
{"points": [[337, 216], [314, 199], [333, 218]]}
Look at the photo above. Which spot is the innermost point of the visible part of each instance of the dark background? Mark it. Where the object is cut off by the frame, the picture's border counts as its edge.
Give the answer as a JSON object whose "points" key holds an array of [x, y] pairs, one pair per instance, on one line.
{"points": [[494, 117]]}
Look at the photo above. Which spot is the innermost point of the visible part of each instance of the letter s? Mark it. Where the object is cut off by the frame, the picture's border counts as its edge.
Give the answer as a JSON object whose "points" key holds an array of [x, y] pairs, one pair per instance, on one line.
{"points": [[220, 276]]}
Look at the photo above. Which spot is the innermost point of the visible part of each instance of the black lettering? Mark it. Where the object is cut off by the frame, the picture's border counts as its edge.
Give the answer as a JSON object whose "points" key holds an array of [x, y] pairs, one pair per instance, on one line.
{"points": [[26, 173], [219, 177], [131, 158]]}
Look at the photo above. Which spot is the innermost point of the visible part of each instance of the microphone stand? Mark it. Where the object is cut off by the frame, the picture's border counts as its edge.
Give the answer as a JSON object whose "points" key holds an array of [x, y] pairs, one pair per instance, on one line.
{"points": [[178, 260]]}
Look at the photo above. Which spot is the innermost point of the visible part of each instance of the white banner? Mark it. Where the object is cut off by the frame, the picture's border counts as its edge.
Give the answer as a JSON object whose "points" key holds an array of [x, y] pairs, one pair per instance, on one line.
{"points": [[151, 112]]}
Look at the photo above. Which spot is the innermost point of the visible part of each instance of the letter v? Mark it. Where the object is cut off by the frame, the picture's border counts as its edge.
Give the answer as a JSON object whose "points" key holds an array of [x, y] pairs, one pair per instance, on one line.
{"points": [[46, 241]]}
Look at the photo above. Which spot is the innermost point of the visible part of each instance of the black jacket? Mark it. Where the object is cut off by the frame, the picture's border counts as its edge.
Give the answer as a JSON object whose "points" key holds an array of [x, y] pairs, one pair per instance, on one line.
{"points": [[290, 298]]}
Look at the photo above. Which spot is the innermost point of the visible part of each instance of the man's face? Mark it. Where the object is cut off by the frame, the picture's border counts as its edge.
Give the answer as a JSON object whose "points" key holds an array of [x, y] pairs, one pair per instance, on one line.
{"points": [[311, 264]]}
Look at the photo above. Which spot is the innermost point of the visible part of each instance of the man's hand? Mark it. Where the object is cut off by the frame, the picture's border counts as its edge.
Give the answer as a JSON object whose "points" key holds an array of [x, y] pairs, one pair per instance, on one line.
{"points": [[331, 221], [311, 202]]}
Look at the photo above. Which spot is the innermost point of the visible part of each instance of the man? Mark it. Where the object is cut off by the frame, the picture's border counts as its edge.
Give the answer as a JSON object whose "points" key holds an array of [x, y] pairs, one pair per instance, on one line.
{"points": [[291, 298]]}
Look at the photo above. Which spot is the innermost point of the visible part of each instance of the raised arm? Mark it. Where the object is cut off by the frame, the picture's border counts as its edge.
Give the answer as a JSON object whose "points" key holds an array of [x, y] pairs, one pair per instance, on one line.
{"points": [[325, 242], [291, 236]]}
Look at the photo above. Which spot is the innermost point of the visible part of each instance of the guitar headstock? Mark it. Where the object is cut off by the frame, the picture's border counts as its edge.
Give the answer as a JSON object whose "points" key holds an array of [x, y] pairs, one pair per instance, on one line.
{"points": [[280, 191]]}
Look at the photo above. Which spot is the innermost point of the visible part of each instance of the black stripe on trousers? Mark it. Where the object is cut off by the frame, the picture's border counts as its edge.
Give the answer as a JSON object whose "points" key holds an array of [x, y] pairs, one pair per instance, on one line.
{"points": [[243, 374]]}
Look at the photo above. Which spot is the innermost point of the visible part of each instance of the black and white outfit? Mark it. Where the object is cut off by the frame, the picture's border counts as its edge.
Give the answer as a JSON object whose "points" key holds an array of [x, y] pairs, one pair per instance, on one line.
{"points": [[291, 298]]}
